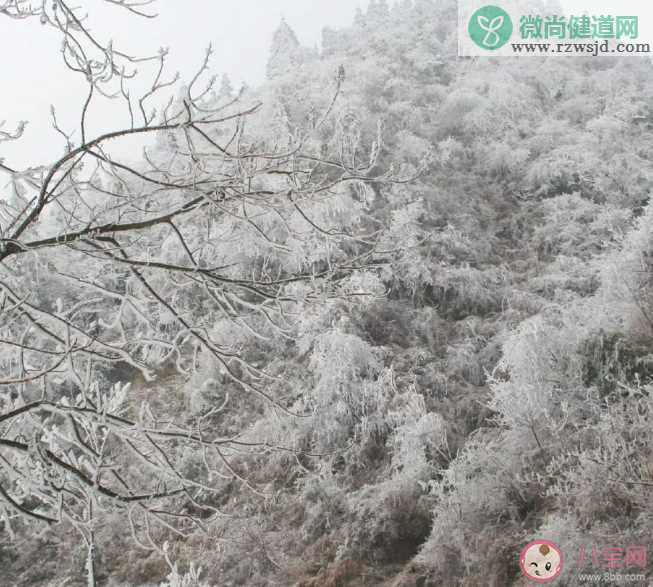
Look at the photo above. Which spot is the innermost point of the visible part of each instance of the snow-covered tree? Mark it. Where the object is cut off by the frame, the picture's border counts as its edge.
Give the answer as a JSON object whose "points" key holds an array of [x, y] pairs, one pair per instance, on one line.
{"points": [[286, 53], [115, 274]]}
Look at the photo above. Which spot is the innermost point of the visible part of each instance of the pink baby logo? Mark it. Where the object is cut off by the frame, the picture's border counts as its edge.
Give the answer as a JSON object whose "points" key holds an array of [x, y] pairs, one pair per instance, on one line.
{"points": [[541, 561]]}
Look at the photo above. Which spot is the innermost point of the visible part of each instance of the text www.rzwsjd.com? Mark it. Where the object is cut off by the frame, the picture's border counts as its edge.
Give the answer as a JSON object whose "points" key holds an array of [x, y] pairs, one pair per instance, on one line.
{"points": [[596, 48], [612, 578]]}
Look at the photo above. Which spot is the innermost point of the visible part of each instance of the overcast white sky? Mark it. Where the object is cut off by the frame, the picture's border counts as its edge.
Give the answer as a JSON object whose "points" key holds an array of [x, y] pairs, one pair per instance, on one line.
{"points": [[32, 76]]}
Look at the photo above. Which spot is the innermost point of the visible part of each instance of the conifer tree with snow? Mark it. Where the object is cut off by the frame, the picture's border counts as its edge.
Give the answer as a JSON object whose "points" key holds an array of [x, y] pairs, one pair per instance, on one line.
{"points": [[286, 54], [226, 89]]}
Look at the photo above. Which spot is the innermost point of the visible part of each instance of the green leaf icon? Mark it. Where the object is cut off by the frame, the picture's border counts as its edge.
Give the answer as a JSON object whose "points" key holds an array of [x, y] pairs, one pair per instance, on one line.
{"points": [[490, 27]]}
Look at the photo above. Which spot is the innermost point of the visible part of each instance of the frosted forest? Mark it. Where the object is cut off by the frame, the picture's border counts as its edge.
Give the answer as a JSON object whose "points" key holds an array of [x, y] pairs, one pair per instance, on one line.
{"points": [[379, 321]]}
